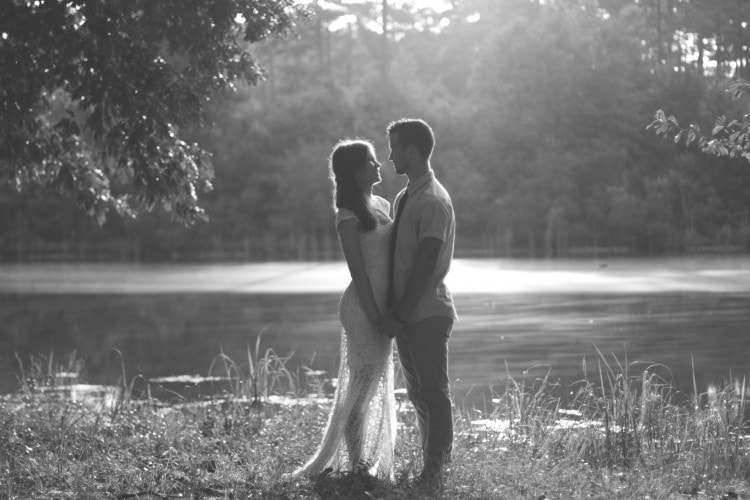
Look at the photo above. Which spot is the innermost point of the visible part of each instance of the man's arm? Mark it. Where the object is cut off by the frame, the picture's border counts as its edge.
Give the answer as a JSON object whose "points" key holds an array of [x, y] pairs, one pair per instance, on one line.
{"points": [[428, 251]]}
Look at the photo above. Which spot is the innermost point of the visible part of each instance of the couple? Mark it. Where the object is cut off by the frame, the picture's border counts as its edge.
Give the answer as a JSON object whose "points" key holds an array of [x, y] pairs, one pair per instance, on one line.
{"points": [[397, 266]]}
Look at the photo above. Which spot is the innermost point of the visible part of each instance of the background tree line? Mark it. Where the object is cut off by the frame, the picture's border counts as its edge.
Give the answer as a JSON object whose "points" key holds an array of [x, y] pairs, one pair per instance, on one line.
{"points": [[540, 110]]}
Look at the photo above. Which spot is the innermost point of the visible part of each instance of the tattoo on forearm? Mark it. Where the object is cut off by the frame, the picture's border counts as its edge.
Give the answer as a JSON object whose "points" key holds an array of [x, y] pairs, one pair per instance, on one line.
{"points": [[431, 252]]}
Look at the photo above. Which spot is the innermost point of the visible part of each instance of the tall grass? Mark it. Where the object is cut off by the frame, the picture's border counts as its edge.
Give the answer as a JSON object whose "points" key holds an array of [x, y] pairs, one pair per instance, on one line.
{"points": [[46, 371], [623, 432], [622, 424], [263, 374]]}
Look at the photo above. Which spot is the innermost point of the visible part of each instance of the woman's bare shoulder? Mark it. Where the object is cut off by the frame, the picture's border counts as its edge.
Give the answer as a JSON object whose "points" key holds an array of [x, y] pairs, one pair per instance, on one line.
{"points": [[382, 204]]}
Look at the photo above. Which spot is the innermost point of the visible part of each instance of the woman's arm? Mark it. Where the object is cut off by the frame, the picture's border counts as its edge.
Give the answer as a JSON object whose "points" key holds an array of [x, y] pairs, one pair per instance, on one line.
{"points": [[348, 230]]}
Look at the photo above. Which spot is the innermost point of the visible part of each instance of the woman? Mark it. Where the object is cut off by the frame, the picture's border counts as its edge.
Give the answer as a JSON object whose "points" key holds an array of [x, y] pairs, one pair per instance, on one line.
{"points": [[361, 427]]}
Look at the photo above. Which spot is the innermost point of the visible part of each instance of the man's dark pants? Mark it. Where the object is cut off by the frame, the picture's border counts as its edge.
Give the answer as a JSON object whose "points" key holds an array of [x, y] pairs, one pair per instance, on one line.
{"points": [[423, 351]]}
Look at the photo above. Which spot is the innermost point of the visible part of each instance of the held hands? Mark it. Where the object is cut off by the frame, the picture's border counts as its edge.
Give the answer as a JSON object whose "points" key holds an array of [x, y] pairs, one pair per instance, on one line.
{"points": [[390, 326]]}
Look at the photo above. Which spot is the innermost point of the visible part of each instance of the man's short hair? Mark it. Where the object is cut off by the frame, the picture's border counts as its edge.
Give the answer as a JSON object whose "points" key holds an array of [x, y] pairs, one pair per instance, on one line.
{"points": [[414, 132]]}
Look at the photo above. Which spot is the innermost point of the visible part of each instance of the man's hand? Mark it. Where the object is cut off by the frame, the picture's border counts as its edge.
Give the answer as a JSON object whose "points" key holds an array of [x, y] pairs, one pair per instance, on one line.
{"points": [[391, 327]]}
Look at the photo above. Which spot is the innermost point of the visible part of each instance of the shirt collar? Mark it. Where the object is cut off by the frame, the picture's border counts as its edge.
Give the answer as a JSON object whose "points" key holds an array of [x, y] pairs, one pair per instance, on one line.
{"points": [[420, 182]]}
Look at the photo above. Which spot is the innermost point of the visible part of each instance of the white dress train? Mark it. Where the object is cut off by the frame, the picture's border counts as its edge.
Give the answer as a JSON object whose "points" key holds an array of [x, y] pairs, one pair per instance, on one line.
{"points": [[361, 429]]}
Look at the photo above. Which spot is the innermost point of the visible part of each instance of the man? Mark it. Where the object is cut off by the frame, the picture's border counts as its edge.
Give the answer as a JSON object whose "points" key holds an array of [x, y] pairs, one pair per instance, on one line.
{"points": [[422, 310]]}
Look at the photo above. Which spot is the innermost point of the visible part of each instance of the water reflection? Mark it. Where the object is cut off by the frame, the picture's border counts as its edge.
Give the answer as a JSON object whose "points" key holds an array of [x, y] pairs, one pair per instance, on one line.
{"points": [[99, 396], [519, 318], [501, 276], [562, 333]]}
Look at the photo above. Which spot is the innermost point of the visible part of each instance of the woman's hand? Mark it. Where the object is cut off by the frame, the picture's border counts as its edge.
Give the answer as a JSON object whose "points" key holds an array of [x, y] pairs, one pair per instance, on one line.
{"points": [[391, 326], [380, 325]]}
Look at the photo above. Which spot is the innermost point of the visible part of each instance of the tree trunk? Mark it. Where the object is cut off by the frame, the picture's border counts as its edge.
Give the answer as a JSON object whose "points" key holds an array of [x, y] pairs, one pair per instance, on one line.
{"points": [[659, 34], [531, 241], [669, 32], [508, 242], [385, 55], [319, 45], [349, 56]]}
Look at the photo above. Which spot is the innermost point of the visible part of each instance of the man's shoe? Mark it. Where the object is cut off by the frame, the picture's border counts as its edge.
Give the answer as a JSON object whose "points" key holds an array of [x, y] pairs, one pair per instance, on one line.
{"points": [[431, 481]]}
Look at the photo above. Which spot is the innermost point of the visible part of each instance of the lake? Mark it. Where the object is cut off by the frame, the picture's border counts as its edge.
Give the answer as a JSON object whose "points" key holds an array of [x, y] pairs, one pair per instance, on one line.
{"points": [[523, 318]]}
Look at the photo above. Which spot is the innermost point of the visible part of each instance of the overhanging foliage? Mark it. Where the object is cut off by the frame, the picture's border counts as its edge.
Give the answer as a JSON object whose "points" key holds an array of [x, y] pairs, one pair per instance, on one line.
{"points": [[93, 94]]}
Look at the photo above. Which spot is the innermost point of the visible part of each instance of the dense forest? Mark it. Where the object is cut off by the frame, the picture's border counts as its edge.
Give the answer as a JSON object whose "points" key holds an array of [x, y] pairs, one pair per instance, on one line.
{"points": [[540, 109]]}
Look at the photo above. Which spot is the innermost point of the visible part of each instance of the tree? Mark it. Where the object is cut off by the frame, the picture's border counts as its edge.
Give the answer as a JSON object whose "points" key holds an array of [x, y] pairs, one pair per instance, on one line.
{"points": [[729, 141], [538, 110], [94, 95], [544, 77]]}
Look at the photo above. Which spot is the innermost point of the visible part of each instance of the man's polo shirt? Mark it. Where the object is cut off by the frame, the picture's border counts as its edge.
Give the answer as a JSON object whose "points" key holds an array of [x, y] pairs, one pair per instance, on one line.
{"points": [[428, 213]]}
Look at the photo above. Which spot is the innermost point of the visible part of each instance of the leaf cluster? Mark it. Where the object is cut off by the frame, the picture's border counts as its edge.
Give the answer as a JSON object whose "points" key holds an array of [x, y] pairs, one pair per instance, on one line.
{"points": [[95, 94], [730, 139]]}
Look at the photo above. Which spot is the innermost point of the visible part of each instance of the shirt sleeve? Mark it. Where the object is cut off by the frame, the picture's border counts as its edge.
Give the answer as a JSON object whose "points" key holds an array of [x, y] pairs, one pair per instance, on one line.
{"points": [[435, 220], [343, 214]]}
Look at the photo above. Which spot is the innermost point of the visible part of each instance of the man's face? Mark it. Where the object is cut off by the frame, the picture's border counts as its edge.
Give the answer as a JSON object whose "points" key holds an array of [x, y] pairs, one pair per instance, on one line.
{"points": [[398, 154]]}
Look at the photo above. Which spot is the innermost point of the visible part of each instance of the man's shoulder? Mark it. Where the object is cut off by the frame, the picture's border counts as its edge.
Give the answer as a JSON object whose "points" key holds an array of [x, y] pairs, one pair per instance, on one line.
{"points": [[436, 193], [434, 201]]}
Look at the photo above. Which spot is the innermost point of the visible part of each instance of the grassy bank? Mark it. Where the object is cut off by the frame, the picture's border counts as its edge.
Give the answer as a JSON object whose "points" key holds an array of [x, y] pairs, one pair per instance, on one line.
{"points": [[619, 436]]}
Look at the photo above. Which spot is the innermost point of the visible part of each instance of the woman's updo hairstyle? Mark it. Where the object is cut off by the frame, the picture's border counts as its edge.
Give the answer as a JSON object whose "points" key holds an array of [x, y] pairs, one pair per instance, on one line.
{"points": [[347, 158]]}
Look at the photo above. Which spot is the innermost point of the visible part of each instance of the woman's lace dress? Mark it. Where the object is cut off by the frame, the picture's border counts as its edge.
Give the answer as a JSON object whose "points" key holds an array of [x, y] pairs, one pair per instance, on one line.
{"points": [[361, 429]]}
